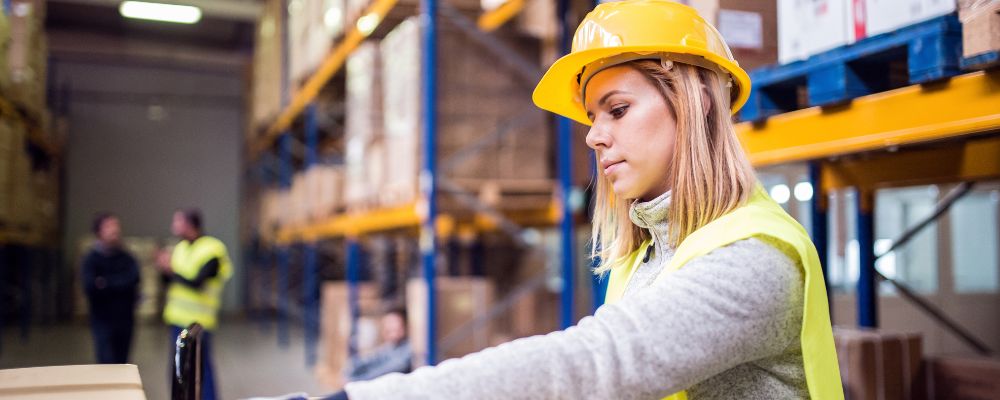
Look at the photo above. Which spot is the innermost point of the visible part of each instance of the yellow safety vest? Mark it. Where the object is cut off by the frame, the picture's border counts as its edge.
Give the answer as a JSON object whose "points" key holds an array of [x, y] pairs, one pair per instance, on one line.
{"points": [[760, 216], [186, 305]]}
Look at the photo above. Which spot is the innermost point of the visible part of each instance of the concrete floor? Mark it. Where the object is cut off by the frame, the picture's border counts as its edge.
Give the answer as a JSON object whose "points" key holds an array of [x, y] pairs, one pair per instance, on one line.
{"points": [[248, 360]]}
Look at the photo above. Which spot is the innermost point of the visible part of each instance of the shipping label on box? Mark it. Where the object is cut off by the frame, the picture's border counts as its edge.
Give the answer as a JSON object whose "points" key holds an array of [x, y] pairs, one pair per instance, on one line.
{"points": [[743, 29]]}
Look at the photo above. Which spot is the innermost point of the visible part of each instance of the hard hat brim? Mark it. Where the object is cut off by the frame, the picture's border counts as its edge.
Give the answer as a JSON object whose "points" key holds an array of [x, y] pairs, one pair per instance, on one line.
{"points": [[558, 90]]}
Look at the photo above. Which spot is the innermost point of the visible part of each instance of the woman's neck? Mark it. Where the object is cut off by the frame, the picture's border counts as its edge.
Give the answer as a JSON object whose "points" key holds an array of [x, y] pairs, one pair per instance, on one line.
{"points": [[651, 215]]}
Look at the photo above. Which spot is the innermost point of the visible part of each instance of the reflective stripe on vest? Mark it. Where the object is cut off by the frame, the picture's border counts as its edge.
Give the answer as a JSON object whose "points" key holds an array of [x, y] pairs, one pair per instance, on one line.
{"points": [[760, 216], [186, 305]]}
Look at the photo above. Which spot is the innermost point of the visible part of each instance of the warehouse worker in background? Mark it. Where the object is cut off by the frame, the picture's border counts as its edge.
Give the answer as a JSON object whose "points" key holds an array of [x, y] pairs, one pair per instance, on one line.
{"points": [[111, 283], [714, 291], [394, 355], [199, 267]]}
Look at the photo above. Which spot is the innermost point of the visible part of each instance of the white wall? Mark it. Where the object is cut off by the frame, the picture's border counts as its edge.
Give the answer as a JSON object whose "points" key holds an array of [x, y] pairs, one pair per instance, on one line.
{"points": [[121, 160]]}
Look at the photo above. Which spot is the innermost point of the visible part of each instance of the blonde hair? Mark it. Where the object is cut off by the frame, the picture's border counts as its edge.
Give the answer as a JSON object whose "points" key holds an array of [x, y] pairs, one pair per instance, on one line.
{"points": [[709, 172]]}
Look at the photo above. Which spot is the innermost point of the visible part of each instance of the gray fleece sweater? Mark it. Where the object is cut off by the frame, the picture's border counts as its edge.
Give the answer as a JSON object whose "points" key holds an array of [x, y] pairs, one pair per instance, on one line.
{"points": [[725, 326]]}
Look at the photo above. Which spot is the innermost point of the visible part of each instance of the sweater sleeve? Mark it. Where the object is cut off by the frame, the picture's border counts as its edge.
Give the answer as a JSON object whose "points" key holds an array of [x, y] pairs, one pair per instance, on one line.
{"points": [[734, 305]]}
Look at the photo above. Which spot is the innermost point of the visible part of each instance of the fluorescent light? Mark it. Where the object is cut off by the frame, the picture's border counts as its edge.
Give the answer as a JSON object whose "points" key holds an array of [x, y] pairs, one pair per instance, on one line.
{"points": [[160, 12], [368, 23], [780, 193]]}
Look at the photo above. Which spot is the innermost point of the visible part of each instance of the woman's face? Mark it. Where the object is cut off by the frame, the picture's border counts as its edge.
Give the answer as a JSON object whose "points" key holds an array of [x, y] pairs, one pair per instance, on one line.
{"points": [[633, 132]]}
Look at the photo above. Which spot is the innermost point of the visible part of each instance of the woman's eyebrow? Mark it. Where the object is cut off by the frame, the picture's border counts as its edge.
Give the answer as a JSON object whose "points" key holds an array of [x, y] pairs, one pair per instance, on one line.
{"points": [[604, 98]]}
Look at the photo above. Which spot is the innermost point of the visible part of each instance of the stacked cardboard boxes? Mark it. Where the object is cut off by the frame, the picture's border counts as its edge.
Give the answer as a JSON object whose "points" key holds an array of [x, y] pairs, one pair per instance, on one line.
{"points": [[335, 328], [313, 26], [27, 56], [365, 152], [459, 300], [879, 365], [806, 28], [980, 26], [327, 185], [267, 76], [477, 98], [966, 378]]}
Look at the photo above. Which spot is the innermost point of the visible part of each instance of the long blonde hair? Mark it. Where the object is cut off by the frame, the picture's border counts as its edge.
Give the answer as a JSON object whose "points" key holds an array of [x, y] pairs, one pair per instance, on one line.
{"points": [[709, 172]]}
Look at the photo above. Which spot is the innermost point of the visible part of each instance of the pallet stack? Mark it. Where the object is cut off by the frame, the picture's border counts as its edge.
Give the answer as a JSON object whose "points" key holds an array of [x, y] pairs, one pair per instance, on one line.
{"points": [[27, 57]]}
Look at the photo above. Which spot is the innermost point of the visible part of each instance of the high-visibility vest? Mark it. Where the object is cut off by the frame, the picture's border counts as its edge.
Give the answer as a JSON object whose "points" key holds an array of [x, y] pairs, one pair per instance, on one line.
{"points": [[187, 305], [760, 216]]}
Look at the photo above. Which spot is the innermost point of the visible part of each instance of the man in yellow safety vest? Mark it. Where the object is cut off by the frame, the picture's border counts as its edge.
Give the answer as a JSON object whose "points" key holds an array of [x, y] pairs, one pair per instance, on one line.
{"points": [[198, 269]]}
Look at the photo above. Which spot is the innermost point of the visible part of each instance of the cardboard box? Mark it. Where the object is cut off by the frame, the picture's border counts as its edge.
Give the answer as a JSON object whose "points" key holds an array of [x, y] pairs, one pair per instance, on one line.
{"points": [[878, 365], [750, 27], [327, 183], [806, 28], [365, 155], [881, 16], [313, 26], [980, 26], [335, 326], [80, 382], [967, 378], [266, 70], [459, 300]]}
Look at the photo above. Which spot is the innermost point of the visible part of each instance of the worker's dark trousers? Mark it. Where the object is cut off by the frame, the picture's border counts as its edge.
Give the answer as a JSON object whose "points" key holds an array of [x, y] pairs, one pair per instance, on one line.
{"points": [[207, 375], [112, 337]]}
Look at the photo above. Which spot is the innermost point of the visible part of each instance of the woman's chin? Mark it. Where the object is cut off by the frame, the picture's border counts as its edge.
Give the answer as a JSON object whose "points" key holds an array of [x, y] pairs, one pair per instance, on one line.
{"points": [[624, 191]]}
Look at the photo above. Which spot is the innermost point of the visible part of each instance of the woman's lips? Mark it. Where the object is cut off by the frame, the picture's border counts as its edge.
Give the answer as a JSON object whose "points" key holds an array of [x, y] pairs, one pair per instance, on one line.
{"points": [[611, 166]]}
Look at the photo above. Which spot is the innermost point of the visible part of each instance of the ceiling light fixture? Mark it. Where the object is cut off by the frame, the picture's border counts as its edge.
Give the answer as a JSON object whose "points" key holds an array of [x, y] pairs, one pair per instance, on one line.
{"points": [[160, 12]]}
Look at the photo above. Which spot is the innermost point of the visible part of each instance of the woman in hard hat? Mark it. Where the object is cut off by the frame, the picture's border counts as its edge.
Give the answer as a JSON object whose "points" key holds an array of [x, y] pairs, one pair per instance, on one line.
{"points": [[714, 292]]}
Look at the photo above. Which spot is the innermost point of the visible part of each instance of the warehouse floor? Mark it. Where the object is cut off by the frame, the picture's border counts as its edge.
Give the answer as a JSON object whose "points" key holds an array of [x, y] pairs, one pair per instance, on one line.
{"points": [[248, 360]]}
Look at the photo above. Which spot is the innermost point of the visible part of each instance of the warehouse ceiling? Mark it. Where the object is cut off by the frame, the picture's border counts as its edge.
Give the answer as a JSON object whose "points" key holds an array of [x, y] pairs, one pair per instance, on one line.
{"points": [[227, 26]]}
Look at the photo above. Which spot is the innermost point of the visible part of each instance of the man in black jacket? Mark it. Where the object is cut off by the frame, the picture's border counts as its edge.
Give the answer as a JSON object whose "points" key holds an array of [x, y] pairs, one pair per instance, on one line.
{"points": [[111, 282]]}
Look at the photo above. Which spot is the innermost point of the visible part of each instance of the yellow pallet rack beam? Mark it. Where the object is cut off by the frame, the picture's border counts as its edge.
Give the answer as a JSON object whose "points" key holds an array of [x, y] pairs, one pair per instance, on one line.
{"points": [[964, 105], [497, 17], [365, 25], [405, 217]]}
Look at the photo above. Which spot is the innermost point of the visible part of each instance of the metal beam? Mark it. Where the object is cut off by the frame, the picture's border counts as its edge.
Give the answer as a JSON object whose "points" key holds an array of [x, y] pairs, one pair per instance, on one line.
{"points": [[969, 160], [491, 20], [428, 172], [867, 290], [961, 106]]}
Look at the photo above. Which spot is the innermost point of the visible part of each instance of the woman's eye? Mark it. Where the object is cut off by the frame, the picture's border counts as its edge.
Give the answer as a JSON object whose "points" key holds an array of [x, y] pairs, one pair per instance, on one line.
{"points": [[619, 111]]}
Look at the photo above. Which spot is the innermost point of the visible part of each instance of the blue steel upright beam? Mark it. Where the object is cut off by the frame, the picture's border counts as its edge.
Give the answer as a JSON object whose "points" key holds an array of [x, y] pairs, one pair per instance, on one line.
{"points": [[820, 219], [284, 252], [565, 149], [311, 268], [867, 289], [353, 274], [428, 245]]}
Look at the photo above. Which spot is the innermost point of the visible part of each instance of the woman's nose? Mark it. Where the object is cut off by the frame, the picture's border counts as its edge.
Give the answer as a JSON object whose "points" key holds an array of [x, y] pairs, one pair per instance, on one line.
{"points": [[597, 137]]}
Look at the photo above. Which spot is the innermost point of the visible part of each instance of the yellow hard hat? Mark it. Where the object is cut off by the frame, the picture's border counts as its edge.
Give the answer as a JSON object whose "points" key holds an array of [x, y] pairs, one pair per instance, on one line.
{"points": [[617, 32]]}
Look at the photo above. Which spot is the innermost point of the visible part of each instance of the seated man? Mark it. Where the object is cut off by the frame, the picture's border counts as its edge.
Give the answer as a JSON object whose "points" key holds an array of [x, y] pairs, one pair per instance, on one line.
{"points": [[394, 355]]}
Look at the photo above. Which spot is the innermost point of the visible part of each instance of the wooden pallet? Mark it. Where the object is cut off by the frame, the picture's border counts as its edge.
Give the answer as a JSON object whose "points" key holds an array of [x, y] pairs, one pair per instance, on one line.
{"points": [[920, 53]]}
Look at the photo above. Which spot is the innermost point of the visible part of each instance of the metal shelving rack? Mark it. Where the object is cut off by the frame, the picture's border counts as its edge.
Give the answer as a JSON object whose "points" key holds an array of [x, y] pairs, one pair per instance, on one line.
{"points": [[938, 132], [29, 248], [422, 216]]}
